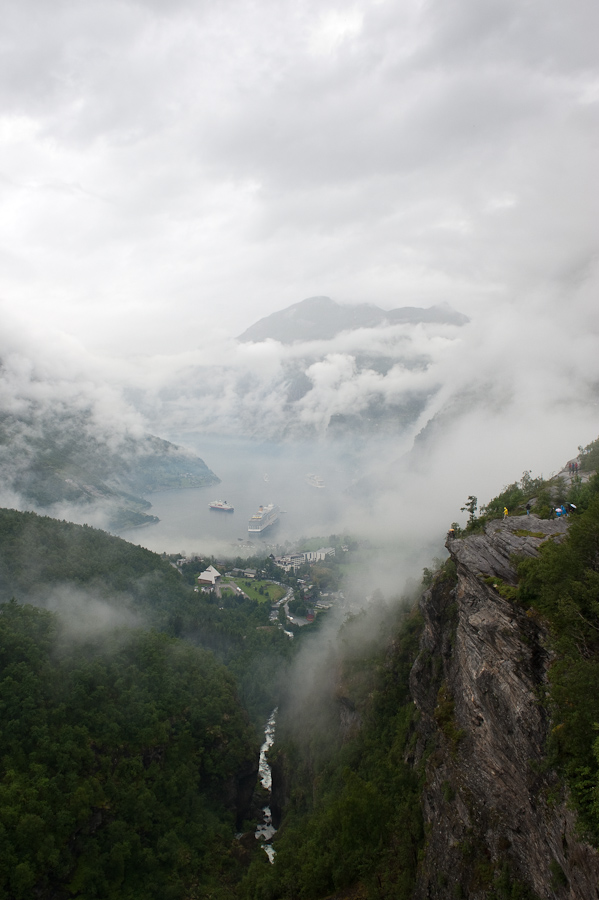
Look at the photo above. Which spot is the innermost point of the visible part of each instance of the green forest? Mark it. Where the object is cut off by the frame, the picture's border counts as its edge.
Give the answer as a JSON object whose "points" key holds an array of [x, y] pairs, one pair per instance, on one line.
{"points": [[40, 558], [116, 754], [561, 587], [129, 738]]}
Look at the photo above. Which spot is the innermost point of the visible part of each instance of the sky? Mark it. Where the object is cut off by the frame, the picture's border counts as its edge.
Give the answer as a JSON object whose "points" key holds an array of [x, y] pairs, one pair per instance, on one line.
{"points": [[170, 173]]}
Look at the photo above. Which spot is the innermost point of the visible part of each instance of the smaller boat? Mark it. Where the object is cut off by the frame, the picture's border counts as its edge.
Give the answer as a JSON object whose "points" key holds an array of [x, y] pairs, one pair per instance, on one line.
{"points": [[314, 480], [221, 505]]}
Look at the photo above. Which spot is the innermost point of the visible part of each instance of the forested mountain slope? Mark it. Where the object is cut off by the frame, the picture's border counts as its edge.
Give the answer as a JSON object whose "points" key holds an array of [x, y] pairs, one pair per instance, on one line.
{"points": [[39, 554], [74, 448], [124, 759], [97, 580], [128, 760], [60, 459]]}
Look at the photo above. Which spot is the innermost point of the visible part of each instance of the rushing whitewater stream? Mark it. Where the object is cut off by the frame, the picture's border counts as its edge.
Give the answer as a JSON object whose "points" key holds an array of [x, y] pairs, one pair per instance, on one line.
{"points": [[265, 831]]}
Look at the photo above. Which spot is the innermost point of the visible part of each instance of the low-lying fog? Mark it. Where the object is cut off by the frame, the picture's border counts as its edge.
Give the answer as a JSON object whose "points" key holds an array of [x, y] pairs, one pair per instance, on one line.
{"points": [[499, 396], [400, 499]]}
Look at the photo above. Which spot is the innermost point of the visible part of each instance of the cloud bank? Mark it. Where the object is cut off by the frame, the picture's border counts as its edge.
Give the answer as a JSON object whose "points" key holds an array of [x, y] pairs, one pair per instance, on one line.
{"points": [[171, 174], [174, 172]]}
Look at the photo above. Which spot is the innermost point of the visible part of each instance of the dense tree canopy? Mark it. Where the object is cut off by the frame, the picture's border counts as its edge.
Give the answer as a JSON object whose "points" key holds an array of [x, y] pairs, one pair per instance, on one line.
{"points": [[120, 746], [116, 754], [41, 559], [562, 586]]}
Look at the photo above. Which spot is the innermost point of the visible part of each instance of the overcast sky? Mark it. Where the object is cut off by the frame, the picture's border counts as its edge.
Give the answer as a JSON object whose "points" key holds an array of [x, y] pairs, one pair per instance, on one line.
{"points": [[172, 171]]}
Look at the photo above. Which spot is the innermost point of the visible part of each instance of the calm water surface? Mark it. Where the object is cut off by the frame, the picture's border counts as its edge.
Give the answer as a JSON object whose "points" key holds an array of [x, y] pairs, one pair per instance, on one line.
{"points": [[251, 475]]}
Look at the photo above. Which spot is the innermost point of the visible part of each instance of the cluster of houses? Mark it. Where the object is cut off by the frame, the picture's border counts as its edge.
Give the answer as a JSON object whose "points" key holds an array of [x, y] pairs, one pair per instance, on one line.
{"points": [[211, 578], [295, 560]]}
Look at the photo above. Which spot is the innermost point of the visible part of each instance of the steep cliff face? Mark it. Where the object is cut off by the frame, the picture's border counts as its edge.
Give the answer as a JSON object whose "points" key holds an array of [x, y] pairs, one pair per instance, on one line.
{"points": [[491, 809]]}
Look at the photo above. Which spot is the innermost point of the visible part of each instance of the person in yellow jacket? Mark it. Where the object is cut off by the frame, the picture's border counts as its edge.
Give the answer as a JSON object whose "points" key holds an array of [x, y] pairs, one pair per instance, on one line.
{"points": [[505, 512]]}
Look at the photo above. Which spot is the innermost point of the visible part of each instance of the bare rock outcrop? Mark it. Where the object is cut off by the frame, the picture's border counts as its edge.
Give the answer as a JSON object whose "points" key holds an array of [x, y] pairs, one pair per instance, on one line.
{"points": [[493, 812]]}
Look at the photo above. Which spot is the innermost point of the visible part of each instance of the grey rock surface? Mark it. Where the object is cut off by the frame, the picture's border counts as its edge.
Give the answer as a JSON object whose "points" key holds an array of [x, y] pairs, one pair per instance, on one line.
{"points": [[492, 553], [479, 684]]}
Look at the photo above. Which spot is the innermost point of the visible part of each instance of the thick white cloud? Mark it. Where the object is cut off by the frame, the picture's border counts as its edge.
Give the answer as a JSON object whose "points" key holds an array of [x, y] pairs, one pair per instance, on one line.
{"points": [[171, 173], [169, 170]]}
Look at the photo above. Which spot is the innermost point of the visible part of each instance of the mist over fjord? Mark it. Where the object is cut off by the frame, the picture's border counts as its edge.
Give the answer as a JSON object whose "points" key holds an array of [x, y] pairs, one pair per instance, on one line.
{"points": [[402, 420], [173, 179]]}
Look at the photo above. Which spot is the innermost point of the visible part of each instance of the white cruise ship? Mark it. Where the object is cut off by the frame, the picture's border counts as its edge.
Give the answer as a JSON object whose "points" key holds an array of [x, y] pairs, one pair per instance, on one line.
{"points": [[263, 519]]}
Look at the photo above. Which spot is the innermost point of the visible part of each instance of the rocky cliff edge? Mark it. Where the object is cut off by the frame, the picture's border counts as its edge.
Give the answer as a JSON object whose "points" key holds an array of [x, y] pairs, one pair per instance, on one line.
{"points": [[494, 814]]}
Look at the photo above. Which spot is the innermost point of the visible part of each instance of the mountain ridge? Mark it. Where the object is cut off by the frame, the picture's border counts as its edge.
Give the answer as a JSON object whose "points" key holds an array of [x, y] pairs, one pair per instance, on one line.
{"points": [[321, 318], [59, 457]]}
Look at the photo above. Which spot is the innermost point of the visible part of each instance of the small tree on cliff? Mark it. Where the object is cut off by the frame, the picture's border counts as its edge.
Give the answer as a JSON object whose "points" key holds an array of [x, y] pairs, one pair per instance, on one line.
{"points": [[470, 507]]}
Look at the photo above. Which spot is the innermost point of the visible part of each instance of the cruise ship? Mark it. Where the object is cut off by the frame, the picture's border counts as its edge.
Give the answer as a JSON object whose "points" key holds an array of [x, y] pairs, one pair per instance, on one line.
{"points": [[222, 505], [263, 519]]}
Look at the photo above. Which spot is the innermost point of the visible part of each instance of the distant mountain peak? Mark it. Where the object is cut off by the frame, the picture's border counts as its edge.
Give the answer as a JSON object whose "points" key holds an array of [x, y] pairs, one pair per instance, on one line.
{"points": [[320, 318]]}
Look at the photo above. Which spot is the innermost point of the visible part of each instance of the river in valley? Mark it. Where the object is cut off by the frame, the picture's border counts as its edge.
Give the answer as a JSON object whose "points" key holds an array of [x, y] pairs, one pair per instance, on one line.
{"points": [[265, 830]]}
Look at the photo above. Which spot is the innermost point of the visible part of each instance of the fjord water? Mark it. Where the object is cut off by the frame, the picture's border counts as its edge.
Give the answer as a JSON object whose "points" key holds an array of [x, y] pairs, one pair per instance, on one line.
{"points": [[252, 474]]}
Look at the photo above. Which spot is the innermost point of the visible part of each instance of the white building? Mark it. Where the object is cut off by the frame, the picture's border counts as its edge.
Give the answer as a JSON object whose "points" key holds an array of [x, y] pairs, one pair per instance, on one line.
{"points": [[313, 556], [209, 576], [296, 560]]}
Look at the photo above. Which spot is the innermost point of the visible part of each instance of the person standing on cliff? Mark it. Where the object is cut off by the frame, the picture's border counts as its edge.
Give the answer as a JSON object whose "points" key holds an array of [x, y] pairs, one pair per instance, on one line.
{"points": [[505, 512], [528, 508]]}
